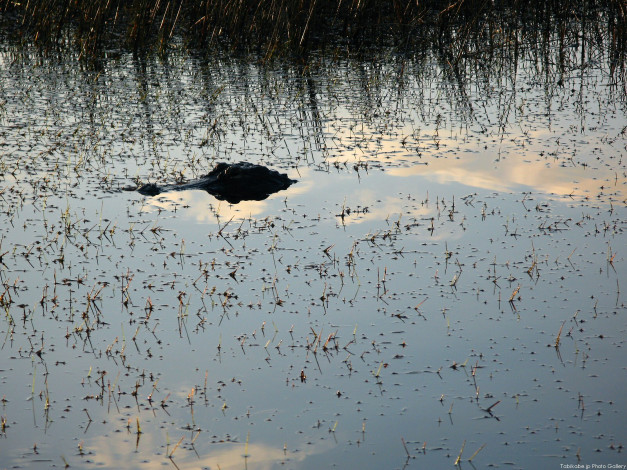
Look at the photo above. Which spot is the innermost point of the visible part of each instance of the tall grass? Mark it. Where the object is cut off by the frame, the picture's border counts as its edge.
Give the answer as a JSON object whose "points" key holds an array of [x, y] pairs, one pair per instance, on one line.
{"points": [[296, 26]]}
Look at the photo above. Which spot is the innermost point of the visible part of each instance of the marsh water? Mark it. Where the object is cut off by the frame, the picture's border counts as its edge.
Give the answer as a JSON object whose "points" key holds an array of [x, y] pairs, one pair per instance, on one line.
{"points": [[445, 283]]}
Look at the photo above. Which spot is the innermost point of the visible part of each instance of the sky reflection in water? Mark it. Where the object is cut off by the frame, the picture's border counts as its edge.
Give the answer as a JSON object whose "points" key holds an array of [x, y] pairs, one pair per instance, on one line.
{"points": [[435, 244]]}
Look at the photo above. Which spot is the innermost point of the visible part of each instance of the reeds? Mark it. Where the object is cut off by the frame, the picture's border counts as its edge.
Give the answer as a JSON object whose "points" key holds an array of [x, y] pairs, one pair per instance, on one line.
{"points": [[268, 23], [270, 27]]}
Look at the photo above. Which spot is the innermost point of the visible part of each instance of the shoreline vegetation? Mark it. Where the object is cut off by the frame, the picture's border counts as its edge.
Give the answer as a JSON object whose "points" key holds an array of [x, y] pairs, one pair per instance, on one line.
{"points": [[272, 28]]}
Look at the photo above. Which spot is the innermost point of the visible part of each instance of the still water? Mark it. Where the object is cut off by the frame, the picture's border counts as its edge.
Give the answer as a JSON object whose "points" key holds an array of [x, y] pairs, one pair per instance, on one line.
{"points": [[444, 284]]}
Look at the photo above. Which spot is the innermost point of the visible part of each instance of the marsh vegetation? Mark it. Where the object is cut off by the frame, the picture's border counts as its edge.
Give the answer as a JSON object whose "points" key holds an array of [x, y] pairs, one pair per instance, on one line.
{"points": [[444, 285], [271, 28]]}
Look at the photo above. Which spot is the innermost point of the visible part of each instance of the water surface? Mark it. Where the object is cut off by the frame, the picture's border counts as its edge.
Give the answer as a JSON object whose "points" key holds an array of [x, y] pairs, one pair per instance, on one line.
{"points": [[446, 274]]}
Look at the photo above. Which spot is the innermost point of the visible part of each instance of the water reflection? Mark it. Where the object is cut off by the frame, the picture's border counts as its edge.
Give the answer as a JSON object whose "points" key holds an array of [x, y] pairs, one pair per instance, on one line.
{"points": [[444, 283], [204, 208], [126, 450], [516, 175]]}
